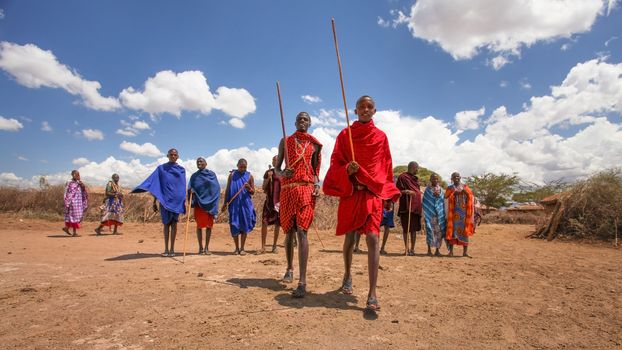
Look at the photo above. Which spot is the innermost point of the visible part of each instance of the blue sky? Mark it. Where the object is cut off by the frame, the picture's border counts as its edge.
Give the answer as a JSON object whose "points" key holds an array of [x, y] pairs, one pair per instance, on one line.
{"points": [[108, 86]]}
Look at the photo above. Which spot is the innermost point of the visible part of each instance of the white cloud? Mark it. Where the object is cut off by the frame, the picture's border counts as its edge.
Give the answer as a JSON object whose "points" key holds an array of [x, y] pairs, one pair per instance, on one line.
{"points": [[34, 68], [93, 134], [524, 84], [45, 126], [127, 132], [383, 23], [10, 124], [22, 158], [80, 161], [133, 172], [503, 83], [237, 123], [464, 28], [141, 125], [146, 149], [498, 62], [525, 142], [1, 14], [12, 180], [468, 120], [311, 99], [173, 93], [610, 40]]}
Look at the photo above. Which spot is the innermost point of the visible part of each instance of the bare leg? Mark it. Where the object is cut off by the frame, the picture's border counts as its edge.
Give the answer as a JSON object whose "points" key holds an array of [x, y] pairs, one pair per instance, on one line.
{"points": [[98, 230], [74, 232], [464, 251], [277, 228], [451, 249], [166, 231], [348, 248], [114, 232], [373, 261], [429, 250], [236, 240], [289, 249], [200, 239], [289, 255], [243, 239], [356, 244], [413, 239], [264, 235], [173, 236], [303, 255], [387, 230], [208, 235]]}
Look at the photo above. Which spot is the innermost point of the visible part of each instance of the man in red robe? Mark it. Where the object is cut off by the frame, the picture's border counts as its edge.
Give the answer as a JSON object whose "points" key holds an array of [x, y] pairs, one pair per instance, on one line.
{"points": [[299, 188], [361, 186], [410, 206]]}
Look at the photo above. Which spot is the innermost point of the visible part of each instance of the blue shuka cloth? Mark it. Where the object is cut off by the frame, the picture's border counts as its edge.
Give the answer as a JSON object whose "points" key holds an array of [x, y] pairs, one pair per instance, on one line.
{"points": [[168, 184], [205, 190], [434, 207], [242, 216]]}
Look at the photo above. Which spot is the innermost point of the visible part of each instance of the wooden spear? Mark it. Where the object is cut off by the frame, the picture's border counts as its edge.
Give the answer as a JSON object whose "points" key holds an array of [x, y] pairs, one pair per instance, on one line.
{"points": [[343, 90], [183, 259], [285, 157]]}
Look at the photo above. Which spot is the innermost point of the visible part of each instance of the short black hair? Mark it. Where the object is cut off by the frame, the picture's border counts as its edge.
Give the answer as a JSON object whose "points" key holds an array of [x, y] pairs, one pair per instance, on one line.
{"points": [[365, 97]]}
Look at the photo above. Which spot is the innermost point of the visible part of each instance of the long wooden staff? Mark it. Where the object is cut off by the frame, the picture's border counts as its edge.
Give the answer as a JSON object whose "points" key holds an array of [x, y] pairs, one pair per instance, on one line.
{"points": [[187, 224], [343, 90], [408, 229], [317, 233], [231, 200], [285, 157]]}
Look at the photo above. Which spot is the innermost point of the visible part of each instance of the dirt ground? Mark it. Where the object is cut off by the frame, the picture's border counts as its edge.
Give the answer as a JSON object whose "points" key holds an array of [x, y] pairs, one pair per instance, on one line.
{"points": [[116, 292]]}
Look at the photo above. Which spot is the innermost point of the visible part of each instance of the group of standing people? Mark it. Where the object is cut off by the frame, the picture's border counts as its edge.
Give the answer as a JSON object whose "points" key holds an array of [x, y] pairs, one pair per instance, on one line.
{"points": [[360, 174], [76, 200]]}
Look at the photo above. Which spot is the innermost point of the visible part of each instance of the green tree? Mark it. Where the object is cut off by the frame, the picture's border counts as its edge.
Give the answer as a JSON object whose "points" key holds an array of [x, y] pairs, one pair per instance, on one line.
{"points": [[493, 190], [530, 192], [423, 174]]}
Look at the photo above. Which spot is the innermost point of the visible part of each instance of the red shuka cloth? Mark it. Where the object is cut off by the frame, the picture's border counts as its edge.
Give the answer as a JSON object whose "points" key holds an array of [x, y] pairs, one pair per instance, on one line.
{"points": [[372, 153], [297, 202], [408, 181]]}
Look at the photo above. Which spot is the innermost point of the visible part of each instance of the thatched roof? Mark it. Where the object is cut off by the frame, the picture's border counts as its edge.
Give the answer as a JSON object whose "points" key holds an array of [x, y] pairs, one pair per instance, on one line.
{"points": [[527, 207]]}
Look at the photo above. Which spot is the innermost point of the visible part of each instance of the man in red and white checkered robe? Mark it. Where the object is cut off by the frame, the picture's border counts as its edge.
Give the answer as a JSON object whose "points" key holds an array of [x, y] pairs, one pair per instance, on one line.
{"points": [[299, 187]]}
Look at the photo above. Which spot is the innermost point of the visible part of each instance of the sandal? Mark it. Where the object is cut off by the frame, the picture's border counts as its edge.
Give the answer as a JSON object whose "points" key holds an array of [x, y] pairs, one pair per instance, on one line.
{"points": [[372, 304], [411, 253], [300, 291], [346, 286], [275, 250], [164, 255], [98, 231], [242, 252], [383, 252], [66, 230], [289, 276]]}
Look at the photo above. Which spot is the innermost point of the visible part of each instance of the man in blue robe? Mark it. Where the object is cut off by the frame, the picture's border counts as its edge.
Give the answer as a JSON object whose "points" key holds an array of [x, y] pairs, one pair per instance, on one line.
{"points": [[167, 185], [242, 217], [205, 195]]}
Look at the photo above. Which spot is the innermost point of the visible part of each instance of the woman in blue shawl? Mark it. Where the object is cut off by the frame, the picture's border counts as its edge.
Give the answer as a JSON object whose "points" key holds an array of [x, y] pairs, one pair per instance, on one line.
{"points": [[167, 184], [205, 195], [434, 214], [242, 218]]}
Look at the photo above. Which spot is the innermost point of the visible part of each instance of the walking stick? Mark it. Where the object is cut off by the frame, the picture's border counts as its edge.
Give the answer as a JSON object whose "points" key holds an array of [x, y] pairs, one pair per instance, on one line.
{"points": [[318, 234], [285, 157], [408, 226], [187, 224], [230, 201], [343, 90]]}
